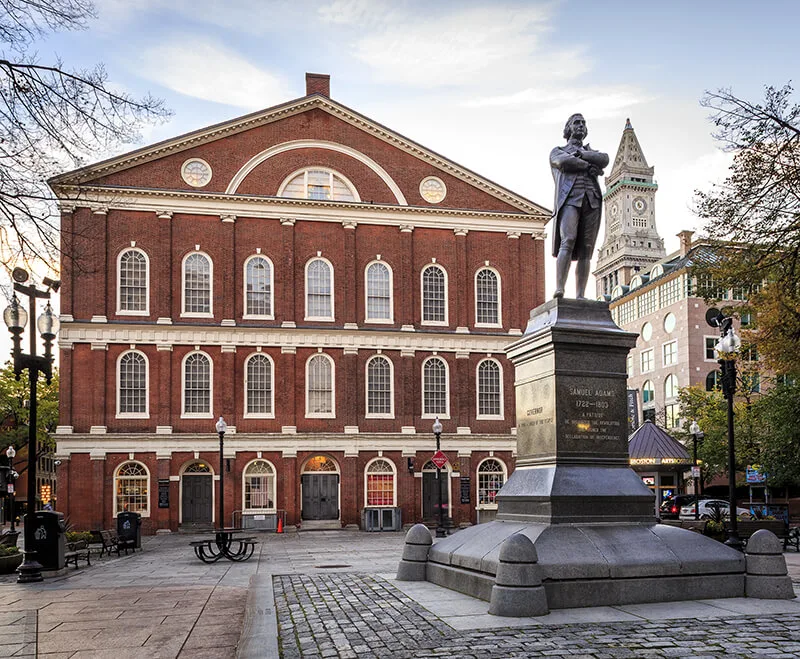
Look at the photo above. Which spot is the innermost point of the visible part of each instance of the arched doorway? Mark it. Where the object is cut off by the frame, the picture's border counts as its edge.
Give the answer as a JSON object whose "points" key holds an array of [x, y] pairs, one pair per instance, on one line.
{"points": [[197, 494], [319, 485], [430, 492]]}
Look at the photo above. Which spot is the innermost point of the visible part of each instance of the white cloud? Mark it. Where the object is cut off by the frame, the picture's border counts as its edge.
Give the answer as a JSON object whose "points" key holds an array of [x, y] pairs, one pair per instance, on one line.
{"points": [[209, 71]]}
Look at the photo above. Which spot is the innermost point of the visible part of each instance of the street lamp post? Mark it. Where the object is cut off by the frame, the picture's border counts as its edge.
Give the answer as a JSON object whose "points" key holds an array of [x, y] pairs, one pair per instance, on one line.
{"points": [[441, 531], [696, 433], [727, 347], [10, 453], [15, 319], [221, 428]]}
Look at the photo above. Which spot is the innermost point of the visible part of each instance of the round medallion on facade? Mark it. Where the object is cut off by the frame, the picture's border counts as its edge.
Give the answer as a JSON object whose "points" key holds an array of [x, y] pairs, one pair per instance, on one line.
{"points": [[647, 332], [639, 205], [669, 322], [196, 172], [614, 209], [432, 189]]}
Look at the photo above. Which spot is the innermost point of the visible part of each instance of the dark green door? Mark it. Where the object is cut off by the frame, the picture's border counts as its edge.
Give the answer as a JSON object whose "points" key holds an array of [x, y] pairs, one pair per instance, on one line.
{"points": [[320, 496], [430, 495], [196, 499]]}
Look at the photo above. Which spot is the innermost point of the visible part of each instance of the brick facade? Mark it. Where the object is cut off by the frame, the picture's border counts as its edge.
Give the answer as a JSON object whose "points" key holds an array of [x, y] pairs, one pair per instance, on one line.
{"points": [[140, 201]]}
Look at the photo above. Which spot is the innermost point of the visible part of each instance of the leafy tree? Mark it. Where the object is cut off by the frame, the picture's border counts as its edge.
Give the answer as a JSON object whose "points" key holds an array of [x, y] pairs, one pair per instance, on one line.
{"points": [[754, 218], [778, 414], [14, 411], [52, 118]]}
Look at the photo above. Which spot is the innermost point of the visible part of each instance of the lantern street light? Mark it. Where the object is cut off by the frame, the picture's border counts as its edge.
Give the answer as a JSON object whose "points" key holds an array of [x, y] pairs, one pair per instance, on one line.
{"points": [[696, 434], [12, 477], [441, 531], [221, 428], [15, 318], [727, 347]]}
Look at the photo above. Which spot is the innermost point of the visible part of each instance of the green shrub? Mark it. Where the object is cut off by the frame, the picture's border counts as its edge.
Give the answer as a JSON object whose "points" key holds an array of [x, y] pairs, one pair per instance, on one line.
{"points": [[6, 550], [75, 536]]}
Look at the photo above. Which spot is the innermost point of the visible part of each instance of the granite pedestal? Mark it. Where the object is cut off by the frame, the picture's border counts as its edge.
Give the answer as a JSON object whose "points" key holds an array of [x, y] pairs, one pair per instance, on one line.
{"points": [[573, 493]]}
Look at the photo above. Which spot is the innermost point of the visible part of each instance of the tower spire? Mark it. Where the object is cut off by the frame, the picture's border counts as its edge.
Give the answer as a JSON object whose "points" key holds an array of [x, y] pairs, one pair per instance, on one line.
{"points": [[630, 160]]}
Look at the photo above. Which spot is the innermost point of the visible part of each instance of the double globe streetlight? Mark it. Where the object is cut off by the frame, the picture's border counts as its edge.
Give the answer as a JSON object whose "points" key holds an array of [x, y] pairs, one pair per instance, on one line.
{"points": [[15, 318]]}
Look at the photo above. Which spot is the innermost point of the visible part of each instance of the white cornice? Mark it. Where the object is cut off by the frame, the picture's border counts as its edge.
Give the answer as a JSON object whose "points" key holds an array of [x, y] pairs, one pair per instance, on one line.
{"points": [[161, 335], [277, 113], [280, 208]]}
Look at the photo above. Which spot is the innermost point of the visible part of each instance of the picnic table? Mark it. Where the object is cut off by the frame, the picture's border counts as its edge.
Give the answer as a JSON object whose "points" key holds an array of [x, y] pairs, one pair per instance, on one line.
{"points": [[226, 543]]}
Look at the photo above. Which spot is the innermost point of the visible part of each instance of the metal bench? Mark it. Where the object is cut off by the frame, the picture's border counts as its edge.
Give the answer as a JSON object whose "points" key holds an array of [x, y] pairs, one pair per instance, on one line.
{"points": [[77, 551], [746, 528]]}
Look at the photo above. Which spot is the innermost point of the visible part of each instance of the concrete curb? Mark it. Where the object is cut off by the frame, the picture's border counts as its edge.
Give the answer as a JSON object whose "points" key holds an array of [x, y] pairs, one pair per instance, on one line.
{"points": [[259, 637]]}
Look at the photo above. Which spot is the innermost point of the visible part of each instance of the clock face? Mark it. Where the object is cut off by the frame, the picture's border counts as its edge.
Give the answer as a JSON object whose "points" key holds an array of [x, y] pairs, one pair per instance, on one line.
{"points": [[196, 172], [432, 189], [639, 205]]}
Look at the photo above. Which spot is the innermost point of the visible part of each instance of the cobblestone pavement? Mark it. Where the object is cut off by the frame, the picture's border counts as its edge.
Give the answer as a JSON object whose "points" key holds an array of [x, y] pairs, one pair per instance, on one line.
{"points": [[358, 615]]}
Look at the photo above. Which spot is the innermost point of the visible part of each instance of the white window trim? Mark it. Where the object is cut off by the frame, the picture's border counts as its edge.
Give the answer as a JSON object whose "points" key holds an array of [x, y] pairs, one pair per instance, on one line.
{"points": [[499, 322], [489, 417], [663, 352], [332, 413], [716, 338], [149, 485], [246, 315], [446, 415], [128, 312], [197, 415], [332, 317], [652, 361], [382, 321], [195, 314], [437, 323], [367, 413], [394, 481], [274, 493], [135, 415], [487, 506], [332, 172], [258, 415]]}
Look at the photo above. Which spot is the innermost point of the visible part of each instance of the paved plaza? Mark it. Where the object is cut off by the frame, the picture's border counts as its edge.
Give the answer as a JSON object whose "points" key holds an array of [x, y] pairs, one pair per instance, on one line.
{"points": [[333, 594]]}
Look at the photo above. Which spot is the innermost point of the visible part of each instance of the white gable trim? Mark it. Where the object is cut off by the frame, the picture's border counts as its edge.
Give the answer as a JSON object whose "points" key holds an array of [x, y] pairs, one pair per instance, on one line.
{"points": [[256, 160]]}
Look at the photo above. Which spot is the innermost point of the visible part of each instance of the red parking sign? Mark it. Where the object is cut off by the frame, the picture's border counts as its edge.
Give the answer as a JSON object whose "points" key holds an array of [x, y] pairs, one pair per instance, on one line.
{"points": [[439, 459]]}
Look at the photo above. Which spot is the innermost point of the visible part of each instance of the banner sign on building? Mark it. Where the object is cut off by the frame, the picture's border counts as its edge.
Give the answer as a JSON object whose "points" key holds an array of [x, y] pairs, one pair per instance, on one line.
{"points": [[754, 474]]}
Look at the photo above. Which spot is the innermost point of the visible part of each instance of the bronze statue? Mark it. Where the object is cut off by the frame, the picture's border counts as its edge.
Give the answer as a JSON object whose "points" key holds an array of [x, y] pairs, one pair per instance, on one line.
{"points": [[578, 204]]}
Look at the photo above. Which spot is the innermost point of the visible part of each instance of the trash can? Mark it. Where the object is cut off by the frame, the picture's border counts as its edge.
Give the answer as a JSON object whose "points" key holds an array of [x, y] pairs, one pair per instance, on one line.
{"points": [[49, 539], [129, 530]]}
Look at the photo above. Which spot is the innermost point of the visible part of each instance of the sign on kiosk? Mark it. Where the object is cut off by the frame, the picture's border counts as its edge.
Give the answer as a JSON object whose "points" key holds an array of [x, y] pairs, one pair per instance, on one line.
{"points": [[439, 459]]}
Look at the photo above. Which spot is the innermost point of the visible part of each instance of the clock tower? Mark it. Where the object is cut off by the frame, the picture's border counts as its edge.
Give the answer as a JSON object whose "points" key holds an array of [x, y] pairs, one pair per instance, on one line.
{"points": [[631, 242]]}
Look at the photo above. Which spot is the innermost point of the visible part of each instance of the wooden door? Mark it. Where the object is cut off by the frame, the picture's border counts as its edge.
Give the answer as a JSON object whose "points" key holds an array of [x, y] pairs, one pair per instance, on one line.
{"points": [[196, 499], [320, 496]]}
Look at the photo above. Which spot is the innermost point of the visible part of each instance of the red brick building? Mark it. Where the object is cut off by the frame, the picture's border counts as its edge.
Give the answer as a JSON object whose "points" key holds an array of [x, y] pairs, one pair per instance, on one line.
{"points": [[326, 285]]}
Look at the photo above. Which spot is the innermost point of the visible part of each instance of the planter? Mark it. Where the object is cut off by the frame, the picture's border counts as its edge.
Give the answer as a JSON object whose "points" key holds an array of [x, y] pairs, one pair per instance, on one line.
{"points": [[9, 564]]}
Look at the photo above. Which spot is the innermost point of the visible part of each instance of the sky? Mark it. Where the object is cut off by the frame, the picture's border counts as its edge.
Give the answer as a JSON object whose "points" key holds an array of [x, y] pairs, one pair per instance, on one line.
{"points": [[487, 84]]}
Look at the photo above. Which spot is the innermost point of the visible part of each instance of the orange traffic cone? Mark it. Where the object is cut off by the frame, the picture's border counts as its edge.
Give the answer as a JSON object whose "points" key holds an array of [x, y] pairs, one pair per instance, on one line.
{"points": [[280, 525]]}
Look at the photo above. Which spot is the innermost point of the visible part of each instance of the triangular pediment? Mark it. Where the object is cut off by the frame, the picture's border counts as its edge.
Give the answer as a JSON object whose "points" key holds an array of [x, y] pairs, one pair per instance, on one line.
{"points": [[109, 170]]}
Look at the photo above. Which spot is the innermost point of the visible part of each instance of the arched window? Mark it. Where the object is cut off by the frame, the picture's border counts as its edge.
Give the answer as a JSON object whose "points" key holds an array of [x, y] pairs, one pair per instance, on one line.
{"points": [[670, 387], [319, 290], [490, 390], [435, 396], [133, 297], [713, 381], [648, 393], [132, 385], [318, 183], [132, 489], [320, 387], [487, 298], [197, 285], [259, 387], [380, 483], [197, 385], [378, 287], [491, 477], [259, 486], [434, 295], [380, 401], [258, 293]]}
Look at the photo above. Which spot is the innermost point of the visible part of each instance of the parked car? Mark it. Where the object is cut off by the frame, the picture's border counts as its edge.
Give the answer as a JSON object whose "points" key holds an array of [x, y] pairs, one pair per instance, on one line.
{"points": [[671, 508], [709, 508]]}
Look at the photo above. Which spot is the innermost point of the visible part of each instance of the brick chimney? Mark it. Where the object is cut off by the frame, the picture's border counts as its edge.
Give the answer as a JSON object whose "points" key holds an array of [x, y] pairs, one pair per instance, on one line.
{"points": [[318, 83], [685, 237]]}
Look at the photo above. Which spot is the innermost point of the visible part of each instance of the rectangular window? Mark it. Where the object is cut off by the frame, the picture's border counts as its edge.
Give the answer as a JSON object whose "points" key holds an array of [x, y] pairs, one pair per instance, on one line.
{"points": [[671, 291], [380, 489], [629, 366], [648, 302], [669, 353], [711, 353], [647, 360]]}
